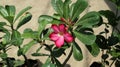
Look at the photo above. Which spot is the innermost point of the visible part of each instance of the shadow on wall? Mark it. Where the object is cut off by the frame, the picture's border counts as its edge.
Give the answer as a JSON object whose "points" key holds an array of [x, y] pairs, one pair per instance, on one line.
{"points": [[113, 8]]}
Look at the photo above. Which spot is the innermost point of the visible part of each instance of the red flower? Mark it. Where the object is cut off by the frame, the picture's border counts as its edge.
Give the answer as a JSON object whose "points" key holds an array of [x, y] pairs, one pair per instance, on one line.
{"points": [[60, 35]]}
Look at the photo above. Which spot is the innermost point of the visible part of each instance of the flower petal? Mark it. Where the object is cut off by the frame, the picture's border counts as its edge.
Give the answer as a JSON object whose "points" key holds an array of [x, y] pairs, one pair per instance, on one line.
{"points": [[62, 28], [68, 37], [55, 28], [53, 36], [60, 42]]}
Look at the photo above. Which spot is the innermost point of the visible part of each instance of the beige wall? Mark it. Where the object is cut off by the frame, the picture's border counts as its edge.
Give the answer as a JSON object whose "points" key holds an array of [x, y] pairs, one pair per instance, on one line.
{"points": [[40, 7]]}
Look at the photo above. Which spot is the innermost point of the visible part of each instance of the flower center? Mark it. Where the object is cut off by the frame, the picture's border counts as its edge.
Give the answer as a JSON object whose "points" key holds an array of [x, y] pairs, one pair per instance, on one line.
{"points": [[61, 33]]}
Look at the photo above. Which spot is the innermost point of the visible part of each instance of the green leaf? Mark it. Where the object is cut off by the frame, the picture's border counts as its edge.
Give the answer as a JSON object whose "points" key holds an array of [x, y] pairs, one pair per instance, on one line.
{"points": [[66, 9], [87, 39], [88, 20], [6, 38], [43, 21], [93, 49], [24, 19], [48, 63], [45, 17], [110, 16], [2, 29], [18, 63], [58, 6], [79, 7], [115, 53], [3, 12], [2, 24], [71, 10], [16, 38], [11, 11], [77, 53], [40, 54], [8, 13], [58, 52], [22, 12], [3, 55], [28, 33], [25, 48]]}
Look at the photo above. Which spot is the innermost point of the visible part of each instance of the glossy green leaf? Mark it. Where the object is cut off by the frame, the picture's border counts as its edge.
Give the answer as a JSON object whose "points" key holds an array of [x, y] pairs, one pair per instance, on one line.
{"points": [[3, 12], [115, 53], [93, 49], [25, 48], [40, 54], [6, 38], [87, 39], [87, 31], [71, 10], [45, 17], [2, 29], [46, 33], [16, 38], [11, 11], [58, 6], [22, 12], [43, 21], [24, 19], [7, 13], [66, 9], [89, 20], [28, 33], [57, 52], [77, 53], [79, 7], [2, 24]]}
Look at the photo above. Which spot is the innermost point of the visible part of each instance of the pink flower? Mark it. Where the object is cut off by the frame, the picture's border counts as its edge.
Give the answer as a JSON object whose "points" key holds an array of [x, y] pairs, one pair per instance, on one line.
{"points": [[60, 35]]}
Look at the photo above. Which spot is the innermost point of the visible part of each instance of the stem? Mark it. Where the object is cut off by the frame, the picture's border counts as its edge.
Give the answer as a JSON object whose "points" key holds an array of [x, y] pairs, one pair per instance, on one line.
{"points": [[112, 63], [26, 60], [12, 27], [68, 57], [50, 52]]}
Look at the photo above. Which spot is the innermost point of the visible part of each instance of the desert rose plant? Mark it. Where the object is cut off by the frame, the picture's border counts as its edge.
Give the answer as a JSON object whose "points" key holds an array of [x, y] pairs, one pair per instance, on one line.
{"points": [[63, 29]]}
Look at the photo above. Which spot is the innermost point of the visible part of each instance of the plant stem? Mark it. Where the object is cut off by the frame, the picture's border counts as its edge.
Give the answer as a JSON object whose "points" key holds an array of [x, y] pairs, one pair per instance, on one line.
{"points": [[112, 63], [12, 27], [68, 57], [26, 60], [50, 52]]}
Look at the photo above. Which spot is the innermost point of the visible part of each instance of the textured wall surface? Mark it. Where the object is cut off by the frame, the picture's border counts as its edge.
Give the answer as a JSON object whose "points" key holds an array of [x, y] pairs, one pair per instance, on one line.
{"points": [[40, 7]]}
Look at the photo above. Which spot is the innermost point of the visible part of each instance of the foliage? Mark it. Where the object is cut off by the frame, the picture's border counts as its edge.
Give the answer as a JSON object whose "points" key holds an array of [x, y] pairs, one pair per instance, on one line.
{"points": [[74, 27]]}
